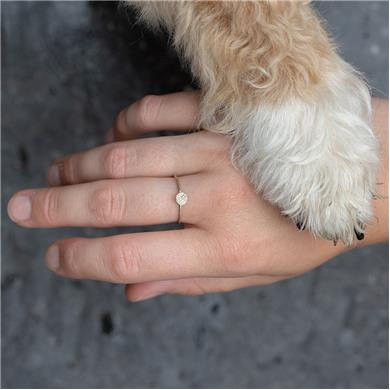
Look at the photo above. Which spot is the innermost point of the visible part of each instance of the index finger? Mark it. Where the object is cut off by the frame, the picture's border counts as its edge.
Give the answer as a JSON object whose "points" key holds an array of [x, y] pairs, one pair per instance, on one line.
{"points": [[176, 111]]}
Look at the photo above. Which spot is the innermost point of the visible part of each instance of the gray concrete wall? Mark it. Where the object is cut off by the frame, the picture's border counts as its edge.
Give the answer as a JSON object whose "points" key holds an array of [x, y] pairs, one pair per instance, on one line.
{"points": [[67, 69]]}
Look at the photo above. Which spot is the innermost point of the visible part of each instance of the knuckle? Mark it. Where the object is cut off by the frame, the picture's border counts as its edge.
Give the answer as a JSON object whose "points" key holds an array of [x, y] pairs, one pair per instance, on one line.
{"points": [[108, 205], [115, 162], [125, 261], [157, 155], [50, 209], [148, 109], [232, 195], [241, 190]]}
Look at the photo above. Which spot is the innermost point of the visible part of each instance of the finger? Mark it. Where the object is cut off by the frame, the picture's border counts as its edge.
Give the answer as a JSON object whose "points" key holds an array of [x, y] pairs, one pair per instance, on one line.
{"points": [[195, 286], [137, 257], [159, 156], [176, 111], [127, 202]]}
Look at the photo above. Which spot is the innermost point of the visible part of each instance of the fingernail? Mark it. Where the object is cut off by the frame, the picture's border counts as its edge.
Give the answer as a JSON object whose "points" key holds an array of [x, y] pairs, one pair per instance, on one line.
{"points": [[53, 176], [19, 208], [53, 257], [148, 296], [109, 136]]}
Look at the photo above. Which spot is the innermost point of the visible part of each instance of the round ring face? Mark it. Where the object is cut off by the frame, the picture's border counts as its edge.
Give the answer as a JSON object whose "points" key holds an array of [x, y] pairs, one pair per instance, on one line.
{"points": [[181, 198]]}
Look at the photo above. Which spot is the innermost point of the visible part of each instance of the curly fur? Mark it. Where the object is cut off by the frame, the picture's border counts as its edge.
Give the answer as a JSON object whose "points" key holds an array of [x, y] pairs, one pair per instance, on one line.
{"points": [[298, 114]]}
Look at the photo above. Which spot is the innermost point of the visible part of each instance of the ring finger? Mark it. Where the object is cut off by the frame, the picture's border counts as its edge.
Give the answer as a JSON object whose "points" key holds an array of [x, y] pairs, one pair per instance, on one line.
{"points": [[105, 203]]}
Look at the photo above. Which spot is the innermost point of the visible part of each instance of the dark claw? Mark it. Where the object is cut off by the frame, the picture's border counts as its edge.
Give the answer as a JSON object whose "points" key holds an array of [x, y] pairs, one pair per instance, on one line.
{"points": [[359, 235], [299, 226]]}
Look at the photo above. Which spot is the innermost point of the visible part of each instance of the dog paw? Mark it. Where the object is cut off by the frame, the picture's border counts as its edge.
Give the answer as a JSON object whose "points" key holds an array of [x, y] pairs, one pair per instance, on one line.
{"points": [[339, 215], [315, 159]]}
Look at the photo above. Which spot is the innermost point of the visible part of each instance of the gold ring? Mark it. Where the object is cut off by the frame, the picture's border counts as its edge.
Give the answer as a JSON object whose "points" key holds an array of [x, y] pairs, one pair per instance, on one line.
{"points": [[181, 198]]}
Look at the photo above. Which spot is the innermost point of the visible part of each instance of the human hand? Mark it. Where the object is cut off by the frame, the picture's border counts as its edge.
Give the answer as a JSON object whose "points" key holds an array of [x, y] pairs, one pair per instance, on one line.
{"points": [[232, 238]]}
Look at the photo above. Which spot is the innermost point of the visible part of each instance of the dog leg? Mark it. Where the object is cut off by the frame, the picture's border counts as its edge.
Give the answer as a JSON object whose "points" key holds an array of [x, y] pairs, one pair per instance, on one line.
{"points": [[298, 114]]}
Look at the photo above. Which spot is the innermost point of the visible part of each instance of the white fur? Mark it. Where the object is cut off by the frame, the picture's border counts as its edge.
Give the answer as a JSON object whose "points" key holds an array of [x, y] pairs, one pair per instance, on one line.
{"points": [[315, 160]]}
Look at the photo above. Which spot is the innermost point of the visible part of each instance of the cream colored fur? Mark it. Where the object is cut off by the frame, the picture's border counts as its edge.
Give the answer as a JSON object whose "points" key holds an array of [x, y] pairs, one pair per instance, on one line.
{"points": [[298, 114]]}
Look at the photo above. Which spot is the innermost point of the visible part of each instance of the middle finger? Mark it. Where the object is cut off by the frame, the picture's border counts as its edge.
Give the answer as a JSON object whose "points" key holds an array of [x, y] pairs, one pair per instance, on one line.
{"points": [[160, 156]]}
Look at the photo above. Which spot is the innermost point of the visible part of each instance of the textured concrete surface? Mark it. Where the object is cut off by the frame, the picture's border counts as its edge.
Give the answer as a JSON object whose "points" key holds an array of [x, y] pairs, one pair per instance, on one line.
{"points": [[67, 69]]}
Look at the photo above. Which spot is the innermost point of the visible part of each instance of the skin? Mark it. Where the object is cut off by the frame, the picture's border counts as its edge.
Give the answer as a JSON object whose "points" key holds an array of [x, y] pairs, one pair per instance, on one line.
{"points": [[231, 239]]}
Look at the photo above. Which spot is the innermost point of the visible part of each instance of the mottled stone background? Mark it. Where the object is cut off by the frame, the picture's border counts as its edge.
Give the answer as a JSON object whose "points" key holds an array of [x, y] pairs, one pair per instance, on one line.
{"points": [[67, 68]]}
